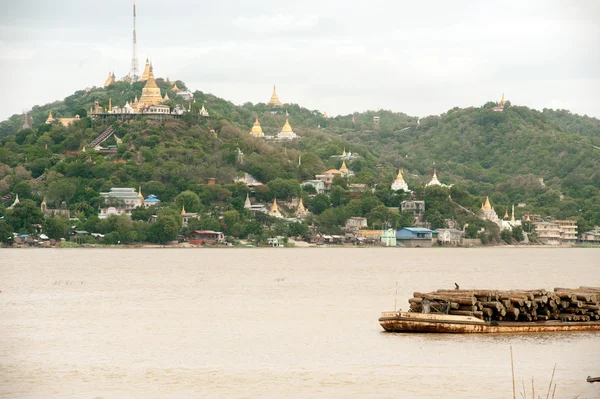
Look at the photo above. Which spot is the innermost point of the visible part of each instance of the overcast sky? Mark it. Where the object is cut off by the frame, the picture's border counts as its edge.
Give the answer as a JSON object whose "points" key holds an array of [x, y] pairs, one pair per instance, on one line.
{"points": [[420, 58]]}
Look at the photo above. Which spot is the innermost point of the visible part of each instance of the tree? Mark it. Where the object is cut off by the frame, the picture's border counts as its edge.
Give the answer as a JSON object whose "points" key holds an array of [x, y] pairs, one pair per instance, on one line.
{"points": [[319, 204], [380, 216], [284, 188], [165, 229], [24, 216], [5, 232], [56, 228], [230, 218], [61, 190], [189, 200], [338, 196]]}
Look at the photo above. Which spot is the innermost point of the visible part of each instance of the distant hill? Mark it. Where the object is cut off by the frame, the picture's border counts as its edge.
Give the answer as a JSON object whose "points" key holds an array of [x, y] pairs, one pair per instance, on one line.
{"points": [[501, 154]]}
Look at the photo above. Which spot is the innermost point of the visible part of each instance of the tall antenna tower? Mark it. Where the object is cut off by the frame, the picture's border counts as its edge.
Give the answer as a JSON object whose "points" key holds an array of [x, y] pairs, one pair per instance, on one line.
{"points": [[134, 61]]}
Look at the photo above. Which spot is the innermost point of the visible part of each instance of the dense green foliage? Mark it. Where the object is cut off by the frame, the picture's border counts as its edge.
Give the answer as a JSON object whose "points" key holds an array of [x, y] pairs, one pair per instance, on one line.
{"points": [[500, 154]]}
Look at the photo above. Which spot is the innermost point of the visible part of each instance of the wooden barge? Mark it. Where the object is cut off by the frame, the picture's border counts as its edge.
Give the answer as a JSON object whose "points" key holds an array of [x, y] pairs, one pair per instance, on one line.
{"points": [[493, 311], [445, 323]]}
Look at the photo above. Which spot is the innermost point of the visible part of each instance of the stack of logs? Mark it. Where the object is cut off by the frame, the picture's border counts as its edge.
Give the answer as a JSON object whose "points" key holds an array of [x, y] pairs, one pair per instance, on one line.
{"points": [[566, 304]]}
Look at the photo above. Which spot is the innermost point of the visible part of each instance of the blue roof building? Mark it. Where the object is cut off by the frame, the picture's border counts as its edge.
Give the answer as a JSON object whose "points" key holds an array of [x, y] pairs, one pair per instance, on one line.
{"points": [[151, 201], [414, 237]]}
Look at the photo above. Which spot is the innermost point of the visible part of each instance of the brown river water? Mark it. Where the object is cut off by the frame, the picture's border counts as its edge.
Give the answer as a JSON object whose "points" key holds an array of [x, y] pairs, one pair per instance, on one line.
{"points": [[274, 323]]}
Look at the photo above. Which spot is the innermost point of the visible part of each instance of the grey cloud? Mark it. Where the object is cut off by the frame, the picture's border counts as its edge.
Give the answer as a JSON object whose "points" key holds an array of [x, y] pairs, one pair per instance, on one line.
{"points": [[338, 56]]}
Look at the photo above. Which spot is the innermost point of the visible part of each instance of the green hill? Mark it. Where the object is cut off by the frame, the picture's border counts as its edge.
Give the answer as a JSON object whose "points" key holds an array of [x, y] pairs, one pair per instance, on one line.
{"points": [[500, 154]]}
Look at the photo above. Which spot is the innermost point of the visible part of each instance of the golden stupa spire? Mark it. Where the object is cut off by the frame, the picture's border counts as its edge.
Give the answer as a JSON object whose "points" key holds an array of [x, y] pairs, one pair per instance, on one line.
{"points": [[274, 99], [344, 153], [110, 80], [325, 115], [528, 219], [257, 129], [146, 72], [166, 98], [399, 177], [50, 118], [287, 127], [344, 168], [183, 212], [487, 206], [506, 214], [502, 100], [274, 208], [175, 88], [140, 193]]}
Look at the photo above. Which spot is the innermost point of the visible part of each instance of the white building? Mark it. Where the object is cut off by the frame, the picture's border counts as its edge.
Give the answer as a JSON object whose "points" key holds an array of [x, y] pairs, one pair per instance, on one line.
{"points": [[286, 132], [126, 197], [435, 182], [111, 211], [399, 183]]}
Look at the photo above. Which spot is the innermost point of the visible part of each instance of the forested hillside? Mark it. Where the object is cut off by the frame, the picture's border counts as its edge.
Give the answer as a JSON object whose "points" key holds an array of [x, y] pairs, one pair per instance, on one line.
{"points": [[500, 154]]}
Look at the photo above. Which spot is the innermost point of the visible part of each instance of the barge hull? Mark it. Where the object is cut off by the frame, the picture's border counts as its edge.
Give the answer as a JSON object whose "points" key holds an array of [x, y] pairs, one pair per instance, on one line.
{"points": [[398, 324]]}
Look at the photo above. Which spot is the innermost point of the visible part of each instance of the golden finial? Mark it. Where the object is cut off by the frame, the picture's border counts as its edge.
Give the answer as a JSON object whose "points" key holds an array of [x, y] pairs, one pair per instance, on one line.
{"points": [[274, 208], [399, 177], [506, 214], [140, 192], [343, 168], [487, 206], [183, 210]]}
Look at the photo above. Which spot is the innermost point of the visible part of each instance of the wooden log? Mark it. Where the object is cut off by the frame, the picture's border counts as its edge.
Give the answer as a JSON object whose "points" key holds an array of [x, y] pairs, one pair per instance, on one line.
{"points": [[591, 307], [465, 313], [445, 298], [487, 312]]}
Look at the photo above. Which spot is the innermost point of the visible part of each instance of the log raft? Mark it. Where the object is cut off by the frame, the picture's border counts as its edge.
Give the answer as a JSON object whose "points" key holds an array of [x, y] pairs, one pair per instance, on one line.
{"points": [[563, 309]]}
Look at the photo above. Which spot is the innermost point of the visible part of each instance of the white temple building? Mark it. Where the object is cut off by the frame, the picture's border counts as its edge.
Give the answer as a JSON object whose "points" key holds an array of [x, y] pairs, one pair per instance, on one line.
{"points": [[509, 224], [435, 182], [399, 183], [286, 132]]}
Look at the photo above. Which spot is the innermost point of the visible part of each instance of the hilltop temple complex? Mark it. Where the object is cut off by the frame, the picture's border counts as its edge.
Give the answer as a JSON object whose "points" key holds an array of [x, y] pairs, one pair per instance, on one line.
{"points": [[500, 106]]}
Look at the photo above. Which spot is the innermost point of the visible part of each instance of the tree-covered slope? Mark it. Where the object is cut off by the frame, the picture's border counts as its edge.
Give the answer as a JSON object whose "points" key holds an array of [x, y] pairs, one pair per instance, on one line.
{"points": [[501, 154]]}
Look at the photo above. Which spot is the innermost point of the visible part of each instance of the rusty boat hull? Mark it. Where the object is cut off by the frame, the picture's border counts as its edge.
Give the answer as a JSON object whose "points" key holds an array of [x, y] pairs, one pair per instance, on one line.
{"points": [[441, 323]]}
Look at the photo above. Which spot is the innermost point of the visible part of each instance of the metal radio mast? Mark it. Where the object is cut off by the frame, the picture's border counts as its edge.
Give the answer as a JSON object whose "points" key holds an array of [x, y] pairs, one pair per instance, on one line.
{"points": [[134, 61]]}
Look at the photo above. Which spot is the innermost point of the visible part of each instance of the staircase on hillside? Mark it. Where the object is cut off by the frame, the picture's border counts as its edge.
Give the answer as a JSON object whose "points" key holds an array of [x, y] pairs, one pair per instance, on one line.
{"points": [[104, 136]]}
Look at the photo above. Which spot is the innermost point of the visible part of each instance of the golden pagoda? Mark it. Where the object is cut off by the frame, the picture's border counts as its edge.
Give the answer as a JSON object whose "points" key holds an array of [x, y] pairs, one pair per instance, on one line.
{"points": [[166, 98], [344, 168], [151, 92], [110, 80], [175, 88], [274, 99], [275, 210], [287, 128], [183, 212], [502, 100], [487, 206], [301, 210], [146, 71], [140, 193], [325, 115], [506, 214], [528, 218], [344, 153], [256, 129], [50, 118]]}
